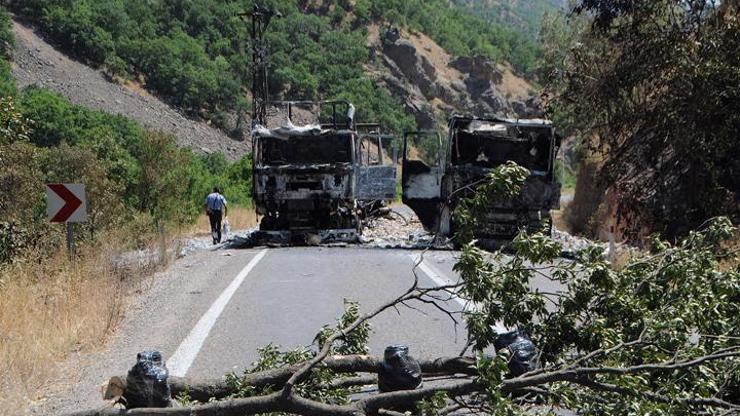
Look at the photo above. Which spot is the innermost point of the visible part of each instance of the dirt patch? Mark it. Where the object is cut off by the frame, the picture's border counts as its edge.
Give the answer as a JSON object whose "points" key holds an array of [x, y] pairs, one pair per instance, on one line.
{"points": [[35, 62], [439, 58], [513, 86]]}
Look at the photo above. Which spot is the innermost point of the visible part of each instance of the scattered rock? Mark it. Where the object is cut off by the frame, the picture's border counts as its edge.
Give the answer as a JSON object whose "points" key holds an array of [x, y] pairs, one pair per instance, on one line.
{"points": [[400, 228], [478, 67], [192, 245], [532, 108]]}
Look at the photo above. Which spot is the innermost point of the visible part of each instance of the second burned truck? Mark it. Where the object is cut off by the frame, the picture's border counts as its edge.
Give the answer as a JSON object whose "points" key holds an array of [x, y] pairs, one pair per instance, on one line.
{"points": [[475, 146]]}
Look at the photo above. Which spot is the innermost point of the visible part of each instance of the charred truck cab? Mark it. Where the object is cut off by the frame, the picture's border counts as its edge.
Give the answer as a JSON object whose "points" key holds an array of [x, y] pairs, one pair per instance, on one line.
{"points": [[319, 179], [436, 173]]}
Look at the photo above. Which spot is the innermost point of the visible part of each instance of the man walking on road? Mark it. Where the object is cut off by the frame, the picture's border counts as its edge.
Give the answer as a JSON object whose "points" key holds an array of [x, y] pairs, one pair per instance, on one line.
{"points": [[215, 208]]}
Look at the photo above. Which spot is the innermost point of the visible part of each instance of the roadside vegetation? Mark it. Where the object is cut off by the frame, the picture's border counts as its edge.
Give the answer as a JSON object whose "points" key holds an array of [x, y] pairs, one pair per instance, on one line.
{"points": [[651, 89], [197, 53], [142, 191]]}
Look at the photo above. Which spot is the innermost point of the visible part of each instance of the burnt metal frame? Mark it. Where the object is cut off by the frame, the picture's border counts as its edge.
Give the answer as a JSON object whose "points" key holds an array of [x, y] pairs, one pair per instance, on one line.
{"points": [[554, 146], [349, 124], [444, 160], [376, 135]]}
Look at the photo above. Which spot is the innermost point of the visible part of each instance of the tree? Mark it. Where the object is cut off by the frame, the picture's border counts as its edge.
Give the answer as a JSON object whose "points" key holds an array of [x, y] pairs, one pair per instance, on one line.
{"points": [[658, 336], [654, 86], [7, 40], [21, 184]]}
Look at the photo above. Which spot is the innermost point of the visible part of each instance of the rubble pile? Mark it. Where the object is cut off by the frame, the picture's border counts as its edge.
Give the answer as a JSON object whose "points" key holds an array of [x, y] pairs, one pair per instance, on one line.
{"points": [[191, 245], [398, 228], [572, 244]]}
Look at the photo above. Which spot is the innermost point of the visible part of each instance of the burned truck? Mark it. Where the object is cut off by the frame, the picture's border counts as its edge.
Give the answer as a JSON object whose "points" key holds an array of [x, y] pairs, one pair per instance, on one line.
{"points": [[437, 173], [320, 180]]}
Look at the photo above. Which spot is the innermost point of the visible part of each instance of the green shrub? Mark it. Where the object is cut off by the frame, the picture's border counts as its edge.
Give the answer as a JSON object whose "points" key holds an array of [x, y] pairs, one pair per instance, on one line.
{"points": [[7, 41], [197, 53]]}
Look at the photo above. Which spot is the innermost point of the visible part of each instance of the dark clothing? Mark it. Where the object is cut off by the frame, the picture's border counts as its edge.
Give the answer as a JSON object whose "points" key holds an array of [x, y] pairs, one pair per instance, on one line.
{"points": [[215, 218]]}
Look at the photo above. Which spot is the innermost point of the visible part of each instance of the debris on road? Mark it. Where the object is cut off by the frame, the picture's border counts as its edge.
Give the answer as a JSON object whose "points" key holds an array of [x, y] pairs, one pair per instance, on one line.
{"points": [[399, 228], [572, 244], [192, 245], [146, 383], [394, 228], [522, 351], [398, 371]]}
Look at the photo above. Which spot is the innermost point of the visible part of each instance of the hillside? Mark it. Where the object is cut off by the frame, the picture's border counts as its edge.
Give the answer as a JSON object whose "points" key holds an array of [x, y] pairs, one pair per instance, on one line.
{"points": [[524, 15], [37, 63], [195, 56], [432, 84]]}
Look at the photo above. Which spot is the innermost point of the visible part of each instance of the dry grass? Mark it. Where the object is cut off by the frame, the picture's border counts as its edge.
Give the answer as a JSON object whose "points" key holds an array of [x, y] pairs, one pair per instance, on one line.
{"points": [[240, 218], [51, 307]]}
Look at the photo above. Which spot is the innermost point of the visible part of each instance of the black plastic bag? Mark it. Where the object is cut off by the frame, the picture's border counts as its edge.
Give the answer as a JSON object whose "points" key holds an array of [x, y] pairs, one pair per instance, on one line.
{"points": [[146, 383], [399, 371], [522, 350]]}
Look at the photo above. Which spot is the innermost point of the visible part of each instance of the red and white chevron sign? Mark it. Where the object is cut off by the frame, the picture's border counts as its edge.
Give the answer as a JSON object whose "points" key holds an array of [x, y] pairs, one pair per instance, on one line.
{"points": [[66, 202]]}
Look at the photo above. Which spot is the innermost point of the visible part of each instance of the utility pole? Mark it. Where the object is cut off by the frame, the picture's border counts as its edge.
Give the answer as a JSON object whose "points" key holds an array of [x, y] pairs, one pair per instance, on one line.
{"points": [[260, 17]]}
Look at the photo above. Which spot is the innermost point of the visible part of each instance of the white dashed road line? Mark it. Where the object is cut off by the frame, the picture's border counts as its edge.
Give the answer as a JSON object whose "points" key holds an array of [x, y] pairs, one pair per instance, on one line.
{"points": [[440, 279], [189, 348], [437, 277]]}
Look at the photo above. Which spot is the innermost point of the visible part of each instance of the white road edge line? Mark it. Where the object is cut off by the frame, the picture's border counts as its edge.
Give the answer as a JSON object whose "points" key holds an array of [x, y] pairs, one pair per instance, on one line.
{"points": [[440, 279], [184, 356]]}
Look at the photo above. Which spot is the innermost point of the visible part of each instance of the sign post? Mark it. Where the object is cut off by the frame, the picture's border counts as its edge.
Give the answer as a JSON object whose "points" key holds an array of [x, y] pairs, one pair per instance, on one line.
{"points": [[66, 203]]}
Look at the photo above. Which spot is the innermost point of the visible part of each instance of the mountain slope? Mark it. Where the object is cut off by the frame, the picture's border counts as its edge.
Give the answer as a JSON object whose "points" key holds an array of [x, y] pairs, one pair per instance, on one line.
{"points": [[195, 53], [432, 84], [525, 15], [35, 62]]}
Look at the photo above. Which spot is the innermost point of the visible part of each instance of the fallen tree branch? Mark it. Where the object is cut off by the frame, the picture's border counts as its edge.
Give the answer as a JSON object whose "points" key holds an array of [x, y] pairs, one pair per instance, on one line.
{"points": [[655, 397], [371, 405], [275, 402], [205, 390], [294, 404]]}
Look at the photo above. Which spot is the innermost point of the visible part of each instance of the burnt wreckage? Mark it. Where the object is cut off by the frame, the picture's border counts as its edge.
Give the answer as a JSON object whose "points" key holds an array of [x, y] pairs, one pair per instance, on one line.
{"points": [[320, 179], [435, 177]]}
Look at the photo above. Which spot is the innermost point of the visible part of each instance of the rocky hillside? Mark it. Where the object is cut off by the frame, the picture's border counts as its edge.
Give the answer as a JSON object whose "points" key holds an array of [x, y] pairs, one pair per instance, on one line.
{"points": [[432, 84], [35, 62]]}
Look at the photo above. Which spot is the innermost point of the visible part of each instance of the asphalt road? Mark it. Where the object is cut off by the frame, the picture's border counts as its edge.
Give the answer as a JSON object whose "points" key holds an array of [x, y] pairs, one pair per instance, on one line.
{"points": [[291, 293], [212, 310]]}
